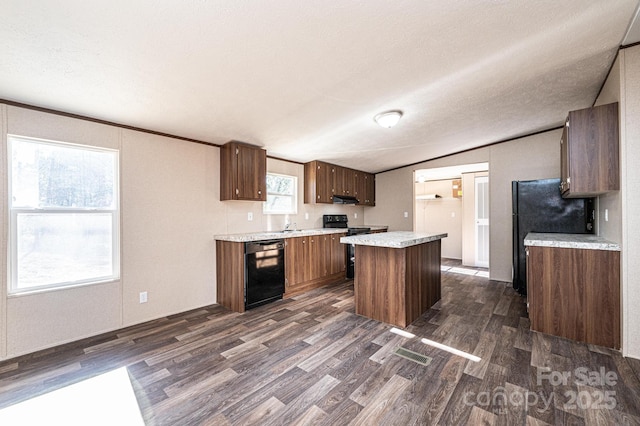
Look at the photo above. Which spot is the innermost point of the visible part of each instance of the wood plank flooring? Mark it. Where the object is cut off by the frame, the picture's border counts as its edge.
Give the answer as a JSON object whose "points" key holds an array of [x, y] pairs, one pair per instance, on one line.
{"points": [[311, 360]]}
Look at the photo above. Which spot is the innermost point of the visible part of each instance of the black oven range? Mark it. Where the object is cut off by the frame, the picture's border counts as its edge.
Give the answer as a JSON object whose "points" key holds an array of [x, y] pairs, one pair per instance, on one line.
{"points": [[342, 221]]}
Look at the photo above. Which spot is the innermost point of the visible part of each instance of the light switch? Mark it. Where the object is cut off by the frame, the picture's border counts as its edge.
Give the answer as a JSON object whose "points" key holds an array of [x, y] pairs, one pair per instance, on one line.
{"points": [[306, 216], [355, 215], [250, 216], [606, 215], [406, 214], [453, 214]]}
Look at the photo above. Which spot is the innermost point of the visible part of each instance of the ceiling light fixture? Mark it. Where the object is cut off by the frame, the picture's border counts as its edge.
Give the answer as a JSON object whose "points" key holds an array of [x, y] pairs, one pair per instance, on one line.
{"points": [[388, 119]]}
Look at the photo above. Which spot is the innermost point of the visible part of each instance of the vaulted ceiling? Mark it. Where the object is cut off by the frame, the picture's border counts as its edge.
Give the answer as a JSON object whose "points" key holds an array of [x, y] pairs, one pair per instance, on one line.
{"points": [[304, 78]]}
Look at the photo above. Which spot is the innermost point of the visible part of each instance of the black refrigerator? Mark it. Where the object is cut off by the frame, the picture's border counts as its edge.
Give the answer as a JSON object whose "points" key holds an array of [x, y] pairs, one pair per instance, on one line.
{"points": [[538, 207]]}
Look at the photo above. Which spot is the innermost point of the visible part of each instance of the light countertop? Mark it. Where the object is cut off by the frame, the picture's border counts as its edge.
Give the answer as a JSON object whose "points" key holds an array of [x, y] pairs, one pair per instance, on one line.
{"points": [[272, 235], [578, 241], [396, 239]]}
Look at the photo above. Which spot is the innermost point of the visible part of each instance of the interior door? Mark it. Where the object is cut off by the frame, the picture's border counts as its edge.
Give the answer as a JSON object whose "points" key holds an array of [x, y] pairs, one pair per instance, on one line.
{"points": [[482, 220]]}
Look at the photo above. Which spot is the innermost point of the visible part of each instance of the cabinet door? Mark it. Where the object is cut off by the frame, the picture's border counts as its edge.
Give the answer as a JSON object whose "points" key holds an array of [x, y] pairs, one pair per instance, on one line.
{"points": [[252, 173], [324, 182], [339, 180], [337, 254], [564, 161], [592, 155], [370, 189], [349, 182], [294, 251]]}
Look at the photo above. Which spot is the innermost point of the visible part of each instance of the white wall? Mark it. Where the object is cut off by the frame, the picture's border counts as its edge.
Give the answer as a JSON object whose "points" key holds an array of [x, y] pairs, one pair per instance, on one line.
{"points": [[533, 157], [170, 211]]}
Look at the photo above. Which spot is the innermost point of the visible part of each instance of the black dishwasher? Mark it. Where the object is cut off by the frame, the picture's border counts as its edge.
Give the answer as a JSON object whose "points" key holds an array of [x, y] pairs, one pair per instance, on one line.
{"points": [[264, 272]]}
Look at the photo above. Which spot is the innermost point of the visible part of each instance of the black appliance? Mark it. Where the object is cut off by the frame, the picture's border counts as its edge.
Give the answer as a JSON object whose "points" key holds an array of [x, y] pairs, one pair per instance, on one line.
{"points": [[341, 221], [538, 207], [264, 272], [344, 199]]}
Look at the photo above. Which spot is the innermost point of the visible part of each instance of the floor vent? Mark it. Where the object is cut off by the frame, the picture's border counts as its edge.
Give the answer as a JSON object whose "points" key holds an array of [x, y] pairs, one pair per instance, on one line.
{"points": [[412, 356]]}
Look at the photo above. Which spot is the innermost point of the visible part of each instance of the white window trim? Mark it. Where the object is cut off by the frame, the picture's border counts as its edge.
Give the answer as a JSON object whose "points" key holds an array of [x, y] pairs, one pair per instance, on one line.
{"points": [[265, 210], [12, 269]]}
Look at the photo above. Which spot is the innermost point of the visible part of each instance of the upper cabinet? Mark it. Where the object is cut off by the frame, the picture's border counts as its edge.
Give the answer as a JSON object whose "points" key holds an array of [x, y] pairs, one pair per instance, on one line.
{"points": [[589, 152], [324, 180], [243, 172], [365, 187]]}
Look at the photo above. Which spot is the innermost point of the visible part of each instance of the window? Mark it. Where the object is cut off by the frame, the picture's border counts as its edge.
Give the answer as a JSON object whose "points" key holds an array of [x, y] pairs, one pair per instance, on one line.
{"points": [[282, 193], [64, 214]]}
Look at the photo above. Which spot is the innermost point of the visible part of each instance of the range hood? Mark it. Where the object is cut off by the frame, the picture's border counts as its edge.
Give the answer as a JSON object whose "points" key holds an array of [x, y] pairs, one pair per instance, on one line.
{"points": [[344, 199]]}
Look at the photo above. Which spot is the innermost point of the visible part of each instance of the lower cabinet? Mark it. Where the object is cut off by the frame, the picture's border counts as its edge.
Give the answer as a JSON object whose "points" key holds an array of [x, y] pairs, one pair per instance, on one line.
{"points": [[312, 262], [575, 293]]}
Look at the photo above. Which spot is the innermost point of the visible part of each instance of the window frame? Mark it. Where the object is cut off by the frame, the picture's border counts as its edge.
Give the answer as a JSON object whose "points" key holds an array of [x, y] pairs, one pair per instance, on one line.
{"points": [[293, 196], [114, 211]]}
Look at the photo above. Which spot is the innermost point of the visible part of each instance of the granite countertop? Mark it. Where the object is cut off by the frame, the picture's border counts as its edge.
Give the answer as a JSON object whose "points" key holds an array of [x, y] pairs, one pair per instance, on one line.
{"points": [[376, 227], [578, 241], [396, 239], [272, 235]]}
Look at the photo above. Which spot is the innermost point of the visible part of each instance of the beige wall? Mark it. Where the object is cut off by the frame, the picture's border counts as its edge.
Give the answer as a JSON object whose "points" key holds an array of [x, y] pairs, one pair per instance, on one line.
{"points": [[170, 211], [623, 86], [443, 215], [533, 157], [630, 198]]}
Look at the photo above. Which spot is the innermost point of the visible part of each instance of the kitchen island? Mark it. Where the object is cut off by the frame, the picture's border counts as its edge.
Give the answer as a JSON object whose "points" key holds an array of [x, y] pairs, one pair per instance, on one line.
{"points": [[397, 274]]}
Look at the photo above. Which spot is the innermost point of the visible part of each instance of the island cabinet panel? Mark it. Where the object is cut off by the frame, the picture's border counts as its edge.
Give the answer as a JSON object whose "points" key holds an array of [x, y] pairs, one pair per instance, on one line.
{"points": [[575, 293], [312, 262], [230, 275], [396, 285], [589, 152]]}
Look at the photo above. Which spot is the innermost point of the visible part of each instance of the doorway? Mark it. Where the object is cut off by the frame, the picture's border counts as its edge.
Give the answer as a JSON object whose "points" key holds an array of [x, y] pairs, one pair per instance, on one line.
{"points": [[455, 200]]}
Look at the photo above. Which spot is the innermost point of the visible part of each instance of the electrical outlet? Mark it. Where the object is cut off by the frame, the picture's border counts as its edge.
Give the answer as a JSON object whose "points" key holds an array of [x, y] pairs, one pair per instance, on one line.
{"points": [[306, 216], [355, 215], [453, 214], [250, 216], [606, 215], [406, 214], [143, 297]]}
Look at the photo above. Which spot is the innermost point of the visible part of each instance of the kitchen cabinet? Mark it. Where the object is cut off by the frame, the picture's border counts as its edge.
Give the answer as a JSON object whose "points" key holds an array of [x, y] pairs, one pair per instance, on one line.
{"points": [[324, 180], [230, 275], [243, 172], [344, 181], [575, 293], [319, 182], [312, 262], [589, 152]]}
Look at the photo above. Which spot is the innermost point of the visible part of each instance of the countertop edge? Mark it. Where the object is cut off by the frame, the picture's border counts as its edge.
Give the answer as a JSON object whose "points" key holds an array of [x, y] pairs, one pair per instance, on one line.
{"points": [[575, 241], [397, 239]]}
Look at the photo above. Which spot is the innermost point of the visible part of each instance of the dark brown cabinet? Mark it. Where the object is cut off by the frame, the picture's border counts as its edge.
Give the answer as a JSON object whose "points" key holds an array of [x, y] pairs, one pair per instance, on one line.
{"points": [[313, 261], [589, 152], [318, 182], [575, 293], [243, 172], [324, 180]]}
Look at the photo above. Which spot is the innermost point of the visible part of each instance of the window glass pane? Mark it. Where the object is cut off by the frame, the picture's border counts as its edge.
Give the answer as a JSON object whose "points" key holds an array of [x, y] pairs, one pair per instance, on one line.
{"points": [[278, 184], [47, 175], [281, 194], [61, 247]]}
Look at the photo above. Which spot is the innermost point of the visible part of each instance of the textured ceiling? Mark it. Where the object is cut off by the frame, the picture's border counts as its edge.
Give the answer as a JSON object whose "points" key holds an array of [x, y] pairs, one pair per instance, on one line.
{"points": [[304, 78]]}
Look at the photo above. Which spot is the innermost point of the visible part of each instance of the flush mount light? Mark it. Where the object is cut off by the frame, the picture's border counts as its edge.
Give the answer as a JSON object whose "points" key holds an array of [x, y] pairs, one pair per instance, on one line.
{"points": [[388, 119]]}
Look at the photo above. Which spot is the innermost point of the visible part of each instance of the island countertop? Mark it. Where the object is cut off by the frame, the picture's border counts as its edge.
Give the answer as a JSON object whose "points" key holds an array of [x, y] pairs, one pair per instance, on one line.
{"points": [[395, 239], [577, 241]]}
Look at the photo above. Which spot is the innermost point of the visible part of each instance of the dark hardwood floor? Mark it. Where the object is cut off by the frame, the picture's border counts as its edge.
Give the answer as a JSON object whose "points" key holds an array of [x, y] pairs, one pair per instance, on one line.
{"points": [[311, 360]]}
